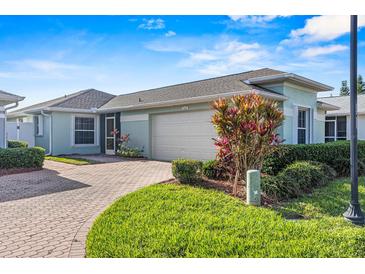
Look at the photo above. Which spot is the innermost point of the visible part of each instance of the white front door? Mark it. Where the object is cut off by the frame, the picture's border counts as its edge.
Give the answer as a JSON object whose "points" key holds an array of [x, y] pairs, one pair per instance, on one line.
{"points": [[109, 137]]}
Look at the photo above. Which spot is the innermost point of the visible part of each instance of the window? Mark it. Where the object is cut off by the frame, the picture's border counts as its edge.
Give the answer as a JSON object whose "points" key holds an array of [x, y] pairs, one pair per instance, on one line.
{"points": [[38, 123], [302, 126], [341, 128], [335, 128], [84, 131]]}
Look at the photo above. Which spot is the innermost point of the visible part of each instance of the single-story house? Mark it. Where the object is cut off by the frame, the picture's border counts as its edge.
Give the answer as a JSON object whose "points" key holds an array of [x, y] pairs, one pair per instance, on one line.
{"points": [[174, 121], [6, 99], [338, 121], [66, 125]]}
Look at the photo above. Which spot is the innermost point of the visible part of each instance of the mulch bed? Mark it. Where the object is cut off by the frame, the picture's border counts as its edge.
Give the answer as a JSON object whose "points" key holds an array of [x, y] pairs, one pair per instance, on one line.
{"points": [[227, 188], [4, 172]]}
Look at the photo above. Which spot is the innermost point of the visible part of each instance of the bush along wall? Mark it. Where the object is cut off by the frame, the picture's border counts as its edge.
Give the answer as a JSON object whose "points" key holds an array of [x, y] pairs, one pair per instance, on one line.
{"points": [[334, 154], [17, 144], [296, 179], [22, 157]]}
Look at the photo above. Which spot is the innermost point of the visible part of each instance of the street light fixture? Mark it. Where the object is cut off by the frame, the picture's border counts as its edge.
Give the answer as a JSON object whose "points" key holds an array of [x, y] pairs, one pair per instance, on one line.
{"points": [[354, 213]]}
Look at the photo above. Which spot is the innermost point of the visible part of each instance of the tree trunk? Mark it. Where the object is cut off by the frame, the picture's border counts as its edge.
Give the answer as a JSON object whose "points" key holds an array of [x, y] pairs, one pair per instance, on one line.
{"points": [[235, 184]]}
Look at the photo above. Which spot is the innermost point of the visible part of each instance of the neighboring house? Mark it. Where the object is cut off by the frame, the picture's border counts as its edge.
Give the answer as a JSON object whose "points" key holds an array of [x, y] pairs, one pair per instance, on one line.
{"points": [[338, 121], [174, 121], [6, 99], [66, 125]]}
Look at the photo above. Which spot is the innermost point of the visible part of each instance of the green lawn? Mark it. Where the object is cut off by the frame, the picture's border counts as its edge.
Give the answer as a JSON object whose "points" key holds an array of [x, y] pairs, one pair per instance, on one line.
{"points": [[70, 160], [170, 220], [329, 201]]}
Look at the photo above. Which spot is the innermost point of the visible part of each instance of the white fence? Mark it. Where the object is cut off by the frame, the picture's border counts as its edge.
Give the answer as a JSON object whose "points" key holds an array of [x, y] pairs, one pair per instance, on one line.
{"points": [[21, 132]]}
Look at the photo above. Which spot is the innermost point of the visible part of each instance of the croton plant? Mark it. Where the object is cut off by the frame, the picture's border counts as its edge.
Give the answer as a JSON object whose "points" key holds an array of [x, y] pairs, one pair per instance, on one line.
{"points": [[247, 132]]}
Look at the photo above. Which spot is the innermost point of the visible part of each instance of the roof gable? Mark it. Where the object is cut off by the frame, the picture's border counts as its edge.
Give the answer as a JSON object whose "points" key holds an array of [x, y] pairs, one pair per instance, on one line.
{"points": [[84, 99]]}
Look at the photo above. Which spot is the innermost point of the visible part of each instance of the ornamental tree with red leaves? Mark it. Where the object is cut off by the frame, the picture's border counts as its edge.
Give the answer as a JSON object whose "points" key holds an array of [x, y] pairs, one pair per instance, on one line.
{"points": [[247, 132]]}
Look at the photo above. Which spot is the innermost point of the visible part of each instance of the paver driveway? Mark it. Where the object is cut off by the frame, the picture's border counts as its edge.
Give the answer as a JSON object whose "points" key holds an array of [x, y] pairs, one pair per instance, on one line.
{"points": [[47, 213]]}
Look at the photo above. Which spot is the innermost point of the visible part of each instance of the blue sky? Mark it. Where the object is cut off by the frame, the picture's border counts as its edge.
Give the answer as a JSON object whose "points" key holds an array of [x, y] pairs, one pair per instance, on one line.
{"points": [[42, 57]]}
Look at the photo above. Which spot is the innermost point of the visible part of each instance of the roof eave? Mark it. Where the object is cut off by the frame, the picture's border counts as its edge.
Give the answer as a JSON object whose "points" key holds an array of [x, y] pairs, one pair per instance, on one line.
{"points": [[326, 106], [9, 99], [317, 86]]}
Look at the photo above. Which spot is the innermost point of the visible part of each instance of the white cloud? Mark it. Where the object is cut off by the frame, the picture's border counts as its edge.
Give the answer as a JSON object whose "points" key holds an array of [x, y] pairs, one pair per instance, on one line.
{"points": [[42, 68], [170, 33], [324, 50], [49, 66], [253, 18], [323, 28], [212, 55], [150, 24], [224, 57]]}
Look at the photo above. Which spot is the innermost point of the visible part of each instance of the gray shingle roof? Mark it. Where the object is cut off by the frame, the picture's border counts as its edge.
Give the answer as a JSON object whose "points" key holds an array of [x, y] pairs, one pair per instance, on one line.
{"points": [[213, 86], [343, 102], [10, 96], [84, 99]]}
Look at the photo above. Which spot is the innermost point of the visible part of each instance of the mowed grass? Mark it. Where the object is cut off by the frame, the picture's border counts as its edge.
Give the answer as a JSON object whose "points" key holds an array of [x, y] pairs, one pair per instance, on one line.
{"points": [[70, 160], [170, 220], [329, 201]]}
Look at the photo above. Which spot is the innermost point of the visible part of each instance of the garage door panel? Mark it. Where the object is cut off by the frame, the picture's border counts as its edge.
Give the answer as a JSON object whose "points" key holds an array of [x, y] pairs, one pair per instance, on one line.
{"points": [[183, 135]]}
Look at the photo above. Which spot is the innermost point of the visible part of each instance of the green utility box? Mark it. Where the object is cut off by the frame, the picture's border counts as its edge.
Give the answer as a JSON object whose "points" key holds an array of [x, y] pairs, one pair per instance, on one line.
{"points": [[253, 187]]}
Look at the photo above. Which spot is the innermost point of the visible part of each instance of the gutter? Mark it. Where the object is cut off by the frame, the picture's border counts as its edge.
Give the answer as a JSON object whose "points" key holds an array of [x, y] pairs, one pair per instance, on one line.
{"points": [[50, 132]]}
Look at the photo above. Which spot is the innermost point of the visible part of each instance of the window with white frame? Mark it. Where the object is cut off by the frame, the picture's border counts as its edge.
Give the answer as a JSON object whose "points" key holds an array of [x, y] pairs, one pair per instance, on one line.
{"points": [[335, 128], [303, 126], [84, 132], [38, 122]]}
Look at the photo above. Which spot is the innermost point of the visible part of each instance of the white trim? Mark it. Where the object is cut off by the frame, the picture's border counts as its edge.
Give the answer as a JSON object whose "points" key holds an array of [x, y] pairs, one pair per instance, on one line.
{"points": [[133, 118], [295, 124], [96, 131], [311, 125], [109, 151], [2, 116], [198, 99], [59, 109]]}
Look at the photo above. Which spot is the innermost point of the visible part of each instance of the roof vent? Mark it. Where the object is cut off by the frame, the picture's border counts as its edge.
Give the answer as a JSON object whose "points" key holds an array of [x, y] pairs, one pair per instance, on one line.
{"points": [[139, 99]]}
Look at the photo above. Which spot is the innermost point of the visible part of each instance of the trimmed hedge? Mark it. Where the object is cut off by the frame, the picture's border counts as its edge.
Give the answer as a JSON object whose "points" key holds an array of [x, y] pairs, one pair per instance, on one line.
{"points": [[17, 144], [22, 157], [187, 171], [296, 179], [212, 170], [334, 154]]}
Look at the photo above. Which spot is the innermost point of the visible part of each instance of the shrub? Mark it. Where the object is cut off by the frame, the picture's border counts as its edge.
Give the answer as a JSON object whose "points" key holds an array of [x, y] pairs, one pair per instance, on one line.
{"points": [[129, 152], [212, 170], [124, 150], [187, 171], [17, 144], [246, 127], [334, 154], [296, 179], [22, 157]]}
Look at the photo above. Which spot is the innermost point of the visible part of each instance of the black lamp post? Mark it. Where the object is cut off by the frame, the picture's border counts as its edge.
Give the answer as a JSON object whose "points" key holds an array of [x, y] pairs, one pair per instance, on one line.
{"points": [[354, 213]]}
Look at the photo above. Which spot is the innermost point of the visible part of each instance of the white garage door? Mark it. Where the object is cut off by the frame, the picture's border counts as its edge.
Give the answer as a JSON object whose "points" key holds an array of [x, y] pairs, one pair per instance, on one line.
{"points": [[183, 135]]}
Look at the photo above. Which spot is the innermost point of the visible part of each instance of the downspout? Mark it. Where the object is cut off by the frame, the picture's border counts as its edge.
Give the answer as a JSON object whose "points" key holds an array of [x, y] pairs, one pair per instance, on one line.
{"points": [[5, 110], [50, 132]]}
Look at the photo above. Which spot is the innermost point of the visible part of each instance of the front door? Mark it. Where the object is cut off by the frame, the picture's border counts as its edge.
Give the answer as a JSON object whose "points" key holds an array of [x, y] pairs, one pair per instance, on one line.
{"points": [[109, 137]]}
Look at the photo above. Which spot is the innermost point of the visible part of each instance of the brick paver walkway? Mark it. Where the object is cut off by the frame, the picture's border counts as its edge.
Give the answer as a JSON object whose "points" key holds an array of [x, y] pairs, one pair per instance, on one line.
{"points": [[47, 213]]}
